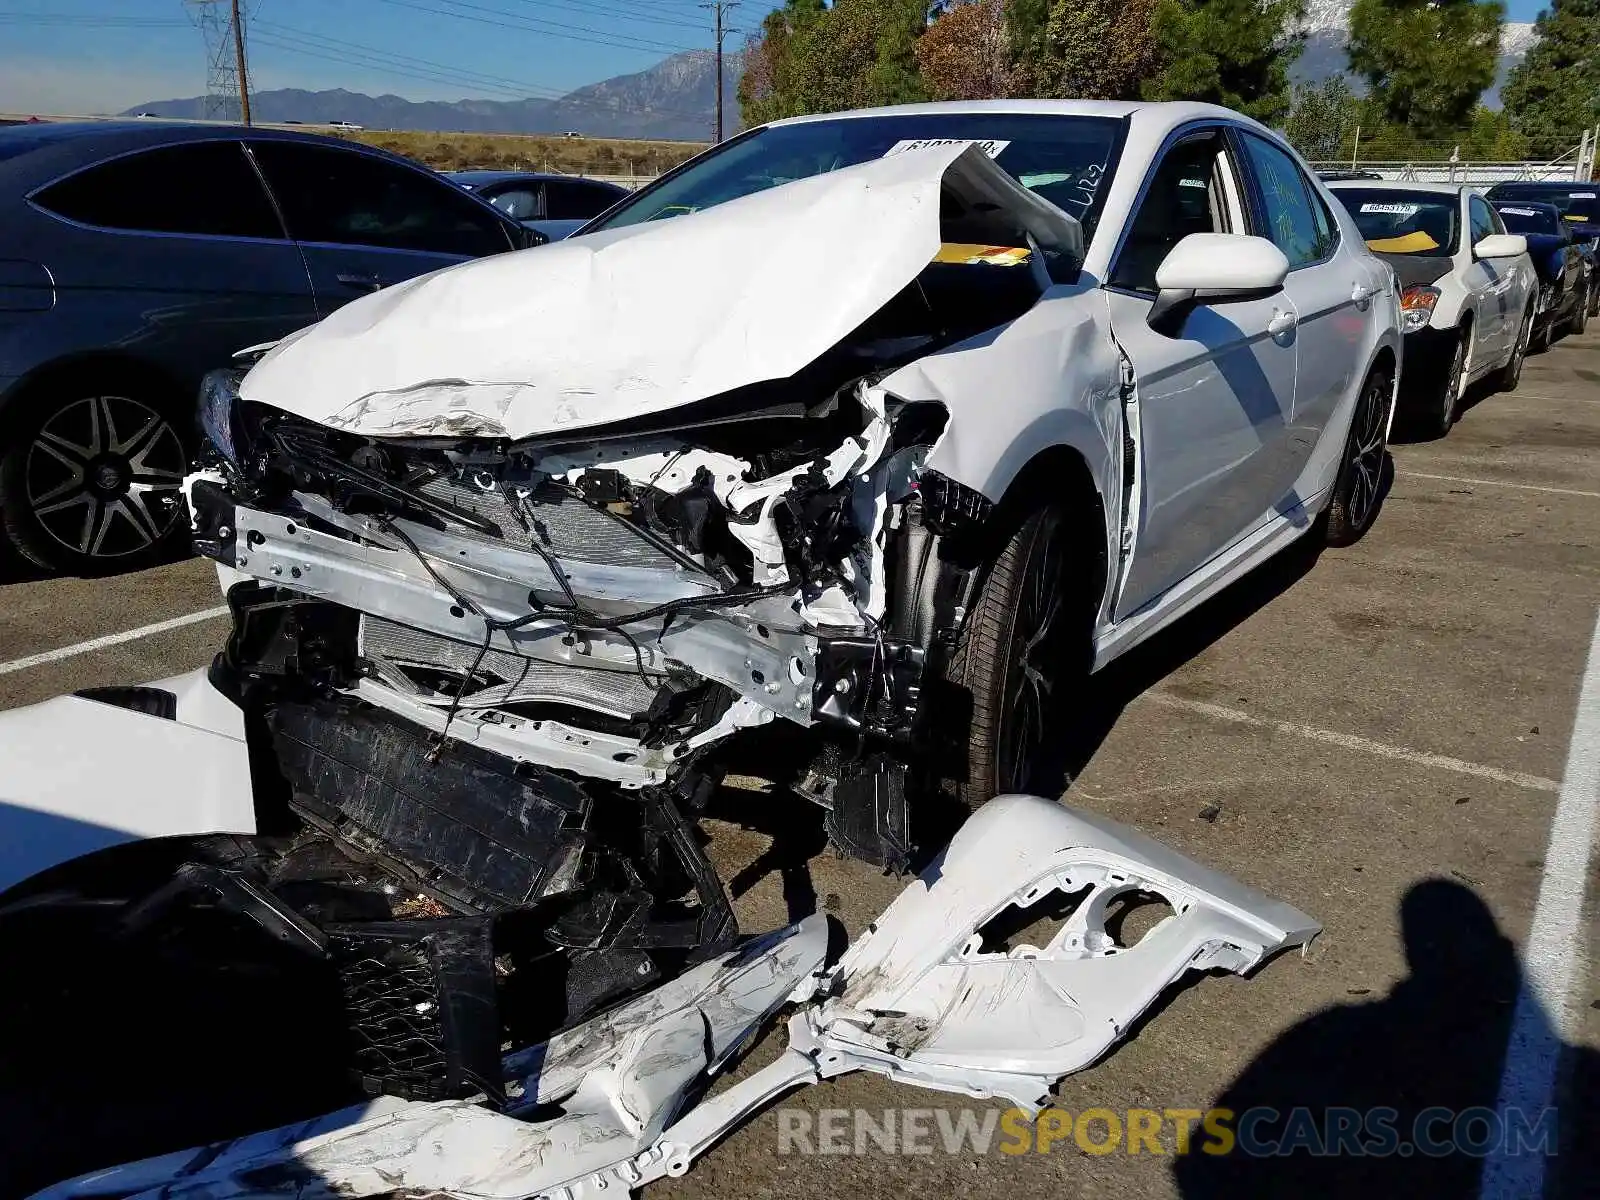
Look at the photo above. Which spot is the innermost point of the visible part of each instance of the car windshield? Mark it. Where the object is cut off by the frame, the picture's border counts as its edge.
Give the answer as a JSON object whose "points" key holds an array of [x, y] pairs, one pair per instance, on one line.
{"points": [[1519, 219], [1398, 222], [1068, 160]]}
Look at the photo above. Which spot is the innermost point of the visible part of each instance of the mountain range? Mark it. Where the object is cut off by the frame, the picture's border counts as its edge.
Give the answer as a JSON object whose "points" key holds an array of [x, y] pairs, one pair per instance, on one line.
{"points": [[671, 101], [674, 99]]}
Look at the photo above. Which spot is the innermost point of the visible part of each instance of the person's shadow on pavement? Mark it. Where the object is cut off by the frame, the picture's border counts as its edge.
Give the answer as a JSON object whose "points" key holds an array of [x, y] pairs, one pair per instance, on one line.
{"points": [[1437, 1041]]}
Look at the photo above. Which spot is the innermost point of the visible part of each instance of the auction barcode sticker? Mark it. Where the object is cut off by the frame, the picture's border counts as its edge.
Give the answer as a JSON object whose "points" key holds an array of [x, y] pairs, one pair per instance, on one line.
{"points": [[1393, 210], [1518, 212], [990, 147]]}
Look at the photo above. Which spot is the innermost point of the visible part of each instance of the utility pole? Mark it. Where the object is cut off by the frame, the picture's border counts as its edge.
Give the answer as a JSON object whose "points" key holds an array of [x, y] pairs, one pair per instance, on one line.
{"points": [[238, 56], [720, 8]]}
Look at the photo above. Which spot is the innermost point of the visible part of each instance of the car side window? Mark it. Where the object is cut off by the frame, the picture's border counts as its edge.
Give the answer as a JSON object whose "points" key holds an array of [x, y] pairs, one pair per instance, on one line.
{"points": [[1292, 212], [348, 198], [519, 203], [202, 188], [1186, 194], [575, 201], [1481, 217]]}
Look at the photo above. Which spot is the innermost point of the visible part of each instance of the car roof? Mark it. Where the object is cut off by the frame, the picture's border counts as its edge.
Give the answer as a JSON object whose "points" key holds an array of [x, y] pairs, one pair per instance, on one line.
{"points": [[1398, 185], [1546, 187], [35, 154], [1152, 113]]}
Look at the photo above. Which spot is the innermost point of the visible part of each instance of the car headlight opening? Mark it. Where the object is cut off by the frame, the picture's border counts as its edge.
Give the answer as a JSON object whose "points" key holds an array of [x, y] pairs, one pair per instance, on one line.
{"points": [[1416, 307]]}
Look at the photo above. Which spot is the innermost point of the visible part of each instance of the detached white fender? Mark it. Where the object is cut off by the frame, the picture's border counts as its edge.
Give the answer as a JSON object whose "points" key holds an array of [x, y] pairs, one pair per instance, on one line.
{"points": [[79, 775]]}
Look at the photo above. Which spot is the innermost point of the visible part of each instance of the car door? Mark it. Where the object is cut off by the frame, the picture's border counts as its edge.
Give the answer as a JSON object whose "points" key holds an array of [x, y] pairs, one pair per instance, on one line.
{"points": [[1332, 291], [1214, 398], [176, 253], [364, 222], [1491, 281]]}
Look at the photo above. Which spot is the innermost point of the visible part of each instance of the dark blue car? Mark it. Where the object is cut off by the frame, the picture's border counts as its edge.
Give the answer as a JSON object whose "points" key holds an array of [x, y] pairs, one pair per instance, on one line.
{"points": [[134, 258], [1566, 273], [1579, 206]]}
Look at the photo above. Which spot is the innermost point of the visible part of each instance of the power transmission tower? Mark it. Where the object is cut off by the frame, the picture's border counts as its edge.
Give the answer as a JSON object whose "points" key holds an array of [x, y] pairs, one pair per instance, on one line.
{"points": [[720, 8], [222, 27]]}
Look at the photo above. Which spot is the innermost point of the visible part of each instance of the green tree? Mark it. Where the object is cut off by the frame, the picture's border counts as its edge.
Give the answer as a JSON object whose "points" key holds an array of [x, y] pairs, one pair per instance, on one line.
{"points": [[1426, 61], [850, 54], [1096, 49], [1322, 117], [1232, 52], [963, 55], [766, 87], [1553, 95], [1026, 22]]}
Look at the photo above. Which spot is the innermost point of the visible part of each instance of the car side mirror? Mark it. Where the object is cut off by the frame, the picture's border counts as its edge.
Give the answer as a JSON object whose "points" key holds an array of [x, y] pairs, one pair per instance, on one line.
{"points": [[1500, 245], [1214, 268]]}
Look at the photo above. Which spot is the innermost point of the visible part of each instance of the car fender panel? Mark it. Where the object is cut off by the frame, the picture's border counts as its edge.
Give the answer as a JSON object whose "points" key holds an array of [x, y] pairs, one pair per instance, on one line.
{"points": [[80, 775]]}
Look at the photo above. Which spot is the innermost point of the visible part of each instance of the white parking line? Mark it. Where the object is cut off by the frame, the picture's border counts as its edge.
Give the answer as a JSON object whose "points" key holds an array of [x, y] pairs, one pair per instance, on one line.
{"points": [[1553, 954], [111, 639], [1521, 487], [1349, 741]]}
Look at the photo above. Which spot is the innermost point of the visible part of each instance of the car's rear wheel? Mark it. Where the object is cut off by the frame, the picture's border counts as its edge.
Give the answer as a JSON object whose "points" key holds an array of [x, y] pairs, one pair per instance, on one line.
{"points": [[1358, 491], [1023, 655], [91, 476]]}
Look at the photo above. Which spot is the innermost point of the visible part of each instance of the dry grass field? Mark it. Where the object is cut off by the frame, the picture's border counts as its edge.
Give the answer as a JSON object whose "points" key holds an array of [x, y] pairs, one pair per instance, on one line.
{"points": [[516, 152]]}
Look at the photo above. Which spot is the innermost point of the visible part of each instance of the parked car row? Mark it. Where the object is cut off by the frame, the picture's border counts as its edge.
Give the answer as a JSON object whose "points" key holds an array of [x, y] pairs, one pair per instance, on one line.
{"points": [[1484, 278]]}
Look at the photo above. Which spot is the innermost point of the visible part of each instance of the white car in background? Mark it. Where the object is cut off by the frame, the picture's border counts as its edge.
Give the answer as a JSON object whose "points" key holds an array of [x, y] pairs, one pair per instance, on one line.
{"points": [[1468, 289], [883, 427]]}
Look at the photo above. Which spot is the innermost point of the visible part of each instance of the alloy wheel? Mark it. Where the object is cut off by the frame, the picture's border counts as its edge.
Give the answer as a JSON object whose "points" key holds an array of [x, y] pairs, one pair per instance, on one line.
{"points": [[103, 474], [1368, 443], [1452, 384], [1035, 660]]}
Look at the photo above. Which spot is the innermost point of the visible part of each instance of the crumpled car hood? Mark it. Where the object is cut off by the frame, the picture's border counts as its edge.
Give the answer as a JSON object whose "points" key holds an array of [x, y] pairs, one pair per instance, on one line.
{"points": [[638, 320]]}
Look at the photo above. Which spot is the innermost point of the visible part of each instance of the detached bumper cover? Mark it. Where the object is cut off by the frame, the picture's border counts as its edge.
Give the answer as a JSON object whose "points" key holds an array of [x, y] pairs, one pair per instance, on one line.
{"points": [[919, 999]]}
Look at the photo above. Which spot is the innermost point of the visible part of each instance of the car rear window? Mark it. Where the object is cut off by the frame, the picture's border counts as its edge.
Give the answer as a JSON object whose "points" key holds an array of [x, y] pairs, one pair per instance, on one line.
{"points": [[1392, 221], [1523, 219], [200, 188]]}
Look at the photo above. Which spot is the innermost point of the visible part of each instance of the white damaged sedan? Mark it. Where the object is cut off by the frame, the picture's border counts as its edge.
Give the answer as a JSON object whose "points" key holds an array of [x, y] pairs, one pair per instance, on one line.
{"points": [[881, 429]]}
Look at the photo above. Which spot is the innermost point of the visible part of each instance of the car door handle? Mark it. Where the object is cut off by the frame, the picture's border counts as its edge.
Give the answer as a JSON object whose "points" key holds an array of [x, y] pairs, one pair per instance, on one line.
{"points": [[1282, 323], [370, 282]]}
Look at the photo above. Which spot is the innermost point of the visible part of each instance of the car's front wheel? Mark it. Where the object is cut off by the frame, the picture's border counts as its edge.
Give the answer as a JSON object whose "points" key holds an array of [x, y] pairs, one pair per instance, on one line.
{"points": [[1440, 415], [1580, 312], [1023, 657], [1358, 491], [91, 476], [1511, 374]]}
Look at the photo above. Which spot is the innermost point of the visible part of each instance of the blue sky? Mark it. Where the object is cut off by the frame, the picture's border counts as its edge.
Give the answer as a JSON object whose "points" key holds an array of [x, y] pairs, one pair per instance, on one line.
{"points": [[89, 56]]}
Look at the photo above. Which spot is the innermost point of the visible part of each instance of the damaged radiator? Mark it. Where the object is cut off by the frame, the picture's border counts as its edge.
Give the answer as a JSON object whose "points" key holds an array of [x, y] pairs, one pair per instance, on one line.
{"points": [[390, 646], [566, 527]]}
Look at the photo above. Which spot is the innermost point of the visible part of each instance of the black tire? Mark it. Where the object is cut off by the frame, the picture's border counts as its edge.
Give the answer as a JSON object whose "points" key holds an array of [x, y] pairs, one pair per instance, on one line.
{"points": [[1543, 334], [1510, 375], [1440, 415], [1358, 491], [1580, 313], [1023, 681], [91, 475]]}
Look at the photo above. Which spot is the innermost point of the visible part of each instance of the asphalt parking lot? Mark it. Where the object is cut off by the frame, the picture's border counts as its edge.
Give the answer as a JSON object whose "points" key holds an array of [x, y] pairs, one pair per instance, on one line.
{"points": [[1378, 736]]}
